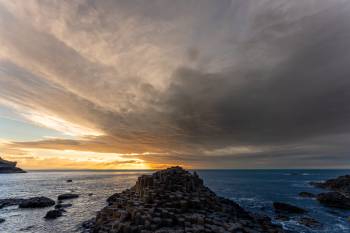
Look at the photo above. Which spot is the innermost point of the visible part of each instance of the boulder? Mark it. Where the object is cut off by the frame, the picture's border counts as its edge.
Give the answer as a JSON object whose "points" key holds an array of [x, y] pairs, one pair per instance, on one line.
{"points": [[69, 181], [309, 222], [2, 220], [36, 202], [10, 202], [174, 200], [307, 195], [52, 214], [281, 207], [334, 199], [62, 206], [67, 196]]}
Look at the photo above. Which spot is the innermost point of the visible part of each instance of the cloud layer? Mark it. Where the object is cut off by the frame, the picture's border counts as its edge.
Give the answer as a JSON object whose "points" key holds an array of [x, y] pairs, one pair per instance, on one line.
{"points": [[215, 83]]}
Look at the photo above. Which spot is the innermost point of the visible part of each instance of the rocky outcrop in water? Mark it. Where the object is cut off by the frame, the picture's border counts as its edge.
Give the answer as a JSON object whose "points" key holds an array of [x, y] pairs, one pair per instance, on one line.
{"points": [[334, 199], [9, 167], [36, 202], [340, 197], [175, 201], [340, 184], [307, 195], [67, 196], [285, 208]]}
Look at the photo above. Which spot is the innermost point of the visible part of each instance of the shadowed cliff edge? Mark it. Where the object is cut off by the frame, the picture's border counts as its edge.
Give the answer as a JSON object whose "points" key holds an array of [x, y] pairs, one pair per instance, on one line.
{"points": [[174, 200], [9, 167]]}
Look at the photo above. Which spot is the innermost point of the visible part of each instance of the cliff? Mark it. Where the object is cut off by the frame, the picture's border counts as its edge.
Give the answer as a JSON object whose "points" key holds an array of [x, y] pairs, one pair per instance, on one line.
{"points": [[9, 167]]}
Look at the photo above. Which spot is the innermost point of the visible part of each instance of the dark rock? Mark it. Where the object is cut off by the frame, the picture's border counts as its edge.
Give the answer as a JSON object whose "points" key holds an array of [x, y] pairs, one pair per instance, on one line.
{"points": [[69, 181], [281, 207], [62, 206], [309, 222], [307, 194], [52, 214], [67, 196], [10, 202], [9, 167], [334, 199], [2, 220], [36, 202], [173, 200], [282, 217], [340, 184], [90, 194]]}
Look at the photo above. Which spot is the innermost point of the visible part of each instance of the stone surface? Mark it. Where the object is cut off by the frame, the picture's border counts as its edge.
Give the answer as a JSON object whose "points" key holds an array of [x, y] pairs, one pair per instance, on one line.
{"points": [[281, 207], [2, 220], [36, 202], [67, 196], [334, 199], [307, 195], [175, 201], [52, 214]]}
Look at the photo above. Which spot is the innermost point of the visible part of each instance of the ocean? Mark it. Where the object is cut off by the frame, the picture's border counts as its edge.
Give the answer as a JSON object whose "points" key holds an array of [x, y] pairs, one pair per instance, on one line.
{"points": [[254, 190]]}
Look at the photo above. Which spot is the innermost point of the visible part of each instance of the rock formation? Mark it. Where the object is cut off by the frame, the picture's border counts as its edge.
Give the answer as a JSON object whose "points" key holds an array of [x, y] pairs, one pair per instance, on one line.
{"points": [[9, 167], [173, 201], [340, 184], [340, 197]]}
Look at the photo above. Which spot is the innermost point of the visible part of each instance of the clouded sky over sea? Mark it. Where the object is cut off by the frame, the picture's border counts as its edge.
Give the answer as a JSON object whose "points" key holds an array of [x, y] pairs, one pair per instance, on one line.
{"points": [[204, 84]]}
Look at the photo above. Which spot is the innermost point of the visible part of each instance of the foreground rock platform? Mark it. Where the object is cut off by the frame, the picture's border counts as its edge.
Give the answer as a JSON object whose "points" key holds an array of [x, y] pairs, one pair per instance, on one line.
{"points": [[175, 201]]}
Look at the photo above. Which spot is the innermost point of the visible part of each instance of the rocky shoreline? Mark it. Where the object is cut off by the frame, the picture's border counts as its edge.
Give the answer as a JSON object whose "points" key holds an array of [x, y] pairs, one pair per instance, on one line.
{"points": [[175, 201]]}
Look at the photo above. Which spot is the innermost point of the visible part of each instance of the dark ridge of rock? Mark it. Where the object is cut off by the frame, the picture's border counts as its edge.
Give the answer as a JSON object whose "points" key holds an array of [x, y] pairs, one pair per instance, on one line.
{"points": [[175, 201], [36, 202], [309, 222], [2, 220], [334, 199], [282, 217], [62, 206], [52, 214], [10, 202], [9, 167], [67, 196], [339, 184], [281, 207], [69, 181], [307, 195]]}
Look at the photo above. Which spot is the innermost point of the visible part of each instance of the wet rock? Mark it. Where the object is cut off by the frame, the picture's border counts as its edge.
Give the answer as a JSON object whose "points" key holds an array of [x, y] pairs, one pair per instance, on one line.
{"points": [[2, 220], [52, 214], [334, 199], [173, 201], [282, 217], [281, 207], [340, 184], [62, 206], [10, 202], [307, 195], [36, 202], [309, 222], [67, 196]]}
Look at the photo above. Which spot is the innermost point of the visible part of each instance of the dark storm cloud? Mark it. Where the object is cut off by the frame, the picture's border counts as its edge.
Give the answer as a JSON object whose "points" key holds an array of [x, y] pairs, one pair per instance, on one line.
{"points": [[305, 95]]}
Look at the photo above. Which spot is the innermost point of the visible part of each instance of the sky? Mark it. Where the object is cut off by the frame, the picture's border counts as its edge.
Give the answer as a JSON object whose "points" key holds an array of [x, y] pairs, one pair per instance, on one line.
{"points": [[146, 84]]}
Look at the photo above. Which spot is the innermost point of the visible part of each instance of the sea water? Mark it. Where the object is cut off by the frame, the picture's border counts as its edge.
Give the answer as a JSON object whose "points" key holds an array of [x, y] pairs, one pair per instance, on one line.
{"points": [[254, 190]]}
